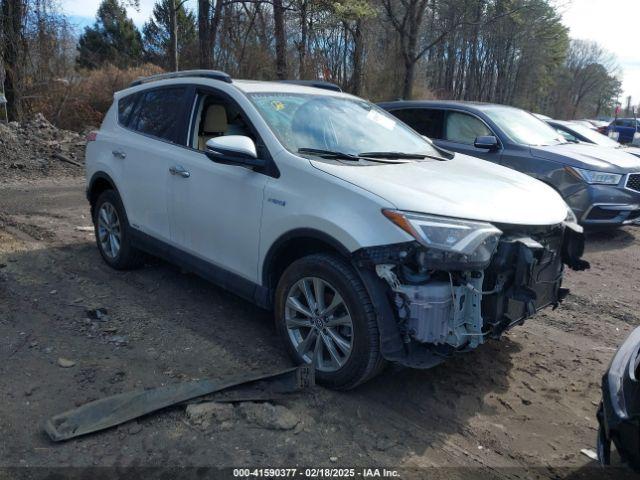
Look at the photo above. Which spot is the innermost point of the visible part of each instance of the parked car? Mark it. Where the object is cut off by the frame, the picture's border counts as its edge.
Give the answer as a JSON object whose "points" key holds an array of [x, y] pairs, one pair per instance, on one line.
{"points": [[597, 124], [576, 133], [368, 242], [601, 185], [584, 123], [619, 410], [541, 116], [625, 130]]}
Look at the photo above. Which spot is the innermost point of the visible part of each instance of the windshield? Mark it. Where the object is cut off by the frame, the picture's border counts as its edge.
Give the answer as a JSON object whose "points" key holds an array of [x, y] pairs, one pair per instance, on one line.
{"points": [[593, 136], [337, 124], [523, 128]]}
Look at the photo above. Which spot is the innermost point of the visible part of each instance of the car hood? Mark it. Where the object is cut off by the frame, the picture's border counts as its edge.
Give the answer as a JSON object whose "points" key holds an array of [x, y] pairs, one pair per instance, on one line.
{"points": [[590, 157], [632, 150], [464, 187]]}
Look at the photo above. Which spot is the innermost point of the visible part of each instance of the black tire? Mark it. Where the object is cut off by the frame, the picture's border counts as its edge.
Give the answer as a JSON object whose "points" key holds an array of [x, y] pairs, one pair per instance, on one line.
{"points": [[128, 257], [364, 361]]}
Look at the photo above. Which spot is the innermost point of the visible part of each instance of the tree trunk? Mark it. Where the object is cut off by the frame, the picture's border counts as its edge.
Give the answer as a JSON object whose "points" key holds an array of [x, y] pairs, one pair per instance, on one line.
{"points": [[213, 35], [281, 40], [356, 80], [409, 35], [302, 46], [410, 54], [409, 78], [13, 12], [173, 36], [204, 33]]}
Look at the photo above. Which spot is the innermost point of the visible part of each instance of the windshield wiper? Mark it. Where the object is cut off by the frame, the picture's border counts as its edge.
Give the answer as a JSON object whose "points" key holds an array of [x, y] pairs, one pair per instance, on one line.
{"points": [[392, 155], [400, 155], [329, 154]]}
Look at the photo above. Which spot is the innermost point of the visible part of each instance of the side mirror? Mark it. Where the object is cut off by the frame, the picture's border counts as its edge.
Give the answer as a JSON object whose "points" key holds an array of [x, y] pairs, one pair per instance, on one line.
{"points": [[236, 149], [488, 142]]}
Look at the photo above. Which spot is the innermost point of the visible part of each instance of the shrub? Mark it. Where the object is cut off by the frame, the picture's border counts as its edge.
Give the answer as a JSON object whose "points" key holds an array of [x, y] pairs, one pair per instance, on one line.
{"points": [[80, 103]]}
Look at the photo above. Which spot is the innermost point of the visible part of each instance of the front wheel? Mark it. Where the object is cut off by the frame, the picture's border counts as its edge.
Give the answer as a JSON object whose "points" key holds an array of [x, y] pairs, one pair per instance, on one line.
{"points": [[325, 317]]}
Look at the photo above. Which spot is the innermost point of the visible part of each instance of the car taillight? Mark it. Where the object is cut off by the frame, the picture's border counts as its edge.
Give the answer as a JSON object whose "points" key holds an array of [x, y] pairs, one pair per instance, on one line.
{"points": [[92, 136]]}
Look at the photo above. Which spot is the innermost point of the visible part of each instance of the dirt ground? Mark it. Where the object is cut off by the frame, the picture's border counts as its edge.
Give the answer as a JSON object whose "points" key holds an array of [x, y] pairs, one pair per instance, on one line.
{"points": [[522, 407]]}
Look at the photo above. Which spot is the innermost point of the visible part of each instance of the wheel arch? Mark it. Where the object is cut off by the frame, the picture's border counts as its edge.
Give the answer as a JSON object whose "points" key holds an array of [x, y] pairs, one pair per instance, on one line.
{"points": [[100, 181], [294, 245]]}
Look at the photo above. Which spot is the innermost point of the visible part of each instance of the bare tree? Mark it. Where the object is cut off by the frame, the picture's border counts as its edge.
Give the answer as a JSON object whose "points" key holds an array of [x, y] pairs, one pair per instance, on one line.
{"points": [[590, 69], [13, 53], [173, 34], [505, 51], [407, 17], [302, 45], [208, 25], [281, 39], [204, 33]]}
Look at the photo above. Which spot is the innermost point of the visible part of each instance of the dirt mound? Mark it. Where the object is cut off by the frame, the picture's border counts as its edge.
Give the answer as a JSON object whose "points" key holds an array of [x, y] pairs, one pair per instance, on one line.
{"points": [[35, 149]]}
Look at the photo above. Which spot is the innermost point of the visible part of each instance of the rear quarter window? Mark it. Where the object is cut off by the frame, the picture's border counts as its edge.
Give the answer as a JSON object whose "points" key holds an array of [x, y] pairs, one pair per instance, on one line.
{"points": [[567, 135], [125, 109]]}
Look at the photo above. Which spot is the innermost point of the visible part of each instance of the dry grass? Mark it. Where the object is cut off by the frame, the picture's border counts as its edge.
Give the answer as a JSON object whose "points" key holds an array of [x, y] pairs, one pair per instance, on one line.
{"points": [[80, 103]]}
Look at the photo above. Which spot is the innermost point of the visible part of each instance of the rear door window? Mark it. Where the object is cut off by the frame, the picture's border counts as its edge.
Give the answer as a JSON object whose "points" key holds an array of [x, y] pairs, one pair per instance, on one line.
{"points": [[426, 121], [161, 113], [464, 128]]}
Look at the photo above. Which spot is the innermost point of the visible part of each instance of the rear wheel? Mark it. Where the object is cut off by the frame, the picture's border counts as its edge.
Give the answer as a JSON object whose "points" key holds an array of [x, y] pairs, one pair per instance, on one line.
{"points": [[112, 233], [325, 317]]}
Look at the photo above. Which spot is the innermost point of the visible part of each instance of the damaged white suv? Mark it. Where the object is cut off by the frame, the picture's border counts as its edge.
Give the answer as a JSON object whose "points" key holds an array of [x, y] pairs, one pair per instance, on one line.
{"points": [[370, 243]]}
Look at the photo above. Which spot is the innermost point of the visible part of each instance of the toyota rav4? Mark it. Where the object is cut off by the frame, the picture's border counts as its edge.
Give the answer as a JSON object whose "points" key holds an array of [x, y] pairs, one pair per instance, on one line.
{"points": [[369, 243]]}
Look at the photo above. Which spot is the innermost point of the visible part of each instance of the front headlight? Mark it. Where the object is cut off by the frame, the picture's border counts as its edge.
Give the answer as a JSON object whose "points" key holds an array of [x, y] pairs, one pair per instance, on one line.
{"points": [[572, 221], [449, 239], [593, 177]]}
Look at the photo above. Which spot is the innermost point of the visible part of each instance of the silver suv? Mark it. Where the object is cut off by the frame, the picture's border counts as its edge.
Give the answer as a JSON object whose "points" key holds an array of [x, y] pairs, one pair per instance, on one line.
{"points": [[369, 243]]}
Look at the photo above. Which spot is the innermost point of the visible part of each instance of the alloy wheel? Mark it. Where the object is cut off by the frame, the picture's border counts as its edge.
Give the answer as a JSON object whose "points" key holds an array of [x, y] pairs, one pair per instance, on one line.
{"points": [[109, 230], [319, 324]]}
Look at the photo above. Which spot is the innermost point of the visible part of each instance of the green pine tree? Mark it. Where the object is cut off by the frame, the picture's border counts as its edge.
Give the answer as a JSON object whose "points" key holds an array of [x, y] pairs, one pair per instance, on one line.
{"points": [[112, 39], [157, 38]]}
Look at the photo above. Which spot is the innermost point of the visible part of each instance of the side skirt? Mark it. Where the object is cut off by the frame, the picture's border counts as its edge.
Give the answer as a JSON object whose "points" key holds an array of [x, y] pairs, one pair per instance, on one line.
{"points": [[223, 278]]}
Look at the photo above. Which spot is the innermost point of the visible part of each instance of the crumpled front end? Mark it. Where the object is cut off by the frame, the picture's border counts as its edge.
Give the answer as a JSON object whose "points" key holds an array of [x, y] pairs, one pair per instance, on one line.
{"points": [[438, 302]]}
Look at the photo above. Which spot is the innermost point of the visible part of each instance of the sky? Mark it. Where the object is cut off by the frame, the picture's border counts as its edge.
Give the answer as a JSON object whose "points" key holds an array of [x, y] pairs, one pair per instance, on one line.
{"points": [[614, 25], [84, 11], [611, 23]]}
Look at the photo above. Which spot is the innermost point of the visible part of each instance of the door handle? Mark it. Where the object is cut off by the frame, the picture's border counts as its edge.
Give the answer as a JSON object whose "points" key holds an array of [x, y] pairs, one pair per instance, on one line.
{"points": [[119, 154], [179, 170]]}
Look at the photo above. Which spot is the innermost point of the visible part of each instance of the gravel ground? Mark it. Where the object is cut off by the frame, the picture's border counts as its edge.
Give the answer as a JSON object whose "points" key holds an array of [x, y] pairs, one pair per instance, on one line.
{"points": [[522, 407]]}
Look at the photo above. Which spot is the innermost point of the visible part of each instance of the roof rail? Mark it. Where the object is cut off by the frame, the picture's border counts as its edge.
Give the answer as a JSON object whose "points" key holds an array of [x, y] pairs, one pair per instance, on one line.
{"points": [[316, 84], [212, 74]]}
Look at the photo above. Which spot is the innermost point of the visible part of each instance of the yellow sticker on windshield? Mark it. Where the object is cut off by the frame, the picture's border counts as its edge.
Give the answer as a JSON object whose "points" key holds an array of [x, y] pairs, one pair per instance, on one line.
{"points": [[277, 105]]}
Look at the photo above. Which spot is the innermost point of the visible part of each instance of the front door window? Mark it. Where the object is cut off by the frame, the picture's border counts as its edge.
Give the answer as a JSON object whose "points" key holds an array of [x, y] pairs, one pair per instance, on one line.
{"points": [[463, 128]]}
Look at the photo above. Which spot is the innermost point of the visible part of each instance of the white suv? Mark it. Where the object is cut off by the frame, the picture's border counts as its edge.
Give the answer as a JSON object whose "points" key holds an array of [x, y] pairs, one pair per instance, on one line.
{"points": [[368, 242]]}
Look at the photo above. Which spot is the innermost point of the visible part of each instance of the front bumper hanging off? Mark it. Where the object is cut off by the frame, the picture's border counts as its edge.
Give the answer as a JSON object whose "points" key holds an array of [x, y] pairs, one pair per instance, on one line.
{"points": [[525, 275]]}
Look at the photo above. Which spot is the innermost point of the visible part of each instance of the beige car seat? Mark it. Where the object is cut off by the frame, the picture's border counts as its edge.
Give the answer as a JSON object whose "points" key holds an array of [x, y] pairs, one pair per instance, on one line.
{"points": [[215, 124]]}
